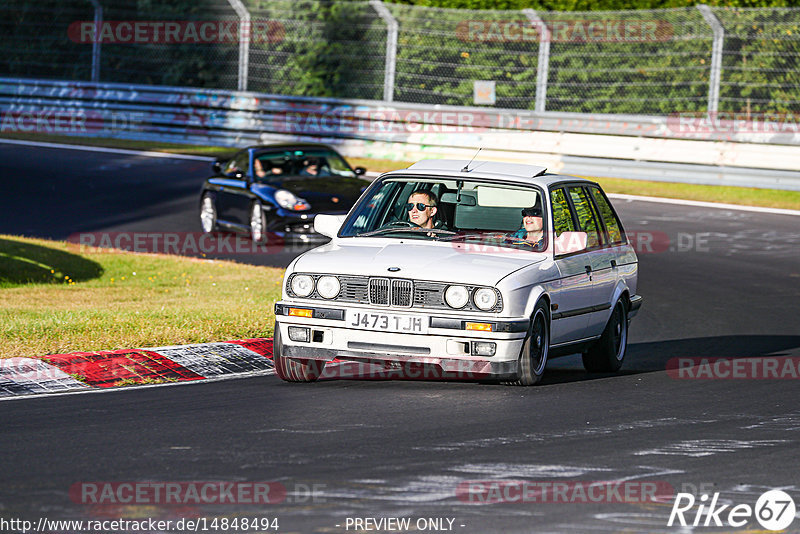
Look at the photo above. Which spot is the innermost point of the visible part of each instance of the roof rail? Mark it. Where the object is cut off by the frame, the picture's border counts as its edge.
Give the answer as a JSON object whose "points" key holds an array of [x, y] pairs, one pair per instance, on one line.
{"points": [[481, 167]]}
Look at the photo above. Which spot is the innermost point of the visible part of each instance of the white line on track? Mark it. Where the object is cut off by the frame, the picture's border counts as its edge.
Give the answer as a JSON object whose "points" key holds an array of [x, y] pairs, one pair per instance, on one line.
{"points": [[716, 205], [145, 153]]}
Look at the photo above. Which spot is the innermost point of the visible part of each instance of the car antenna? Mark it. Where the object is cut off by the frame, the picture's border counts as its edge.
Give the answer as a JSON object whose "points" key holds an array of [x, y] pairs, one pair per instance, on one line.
{"points": [[466, 167]]}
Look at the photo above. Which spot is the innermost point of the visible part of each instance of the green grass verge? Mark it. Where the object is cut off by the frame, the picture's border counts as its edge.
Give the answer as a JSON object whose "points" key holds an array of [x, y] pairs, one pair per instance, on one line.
{"points": [[56, 297], [746, 196]]}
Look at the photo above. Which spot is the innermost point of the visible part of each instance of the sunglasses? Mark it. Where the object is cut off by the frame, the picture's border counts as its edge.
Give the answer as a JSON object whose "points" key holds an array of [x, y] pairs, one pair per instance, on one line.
{"points": [[420, 206], [531, 212]]}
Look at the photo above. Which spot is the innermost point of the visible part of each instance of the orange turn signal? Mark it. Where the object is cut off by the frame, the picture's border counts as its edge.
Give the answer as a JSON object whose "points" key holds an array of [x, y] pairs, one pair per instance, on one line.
{"points": [[299, 312], [484, 327]]}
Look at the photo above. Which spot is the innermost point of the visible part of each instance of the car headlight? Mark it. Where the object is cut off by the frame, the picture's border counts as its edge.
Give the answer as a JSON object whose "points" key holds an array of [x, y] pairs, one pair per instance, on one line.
{"points": [[485, 298], [302, 285], [328, 287], [456, 296], [287, 200]]}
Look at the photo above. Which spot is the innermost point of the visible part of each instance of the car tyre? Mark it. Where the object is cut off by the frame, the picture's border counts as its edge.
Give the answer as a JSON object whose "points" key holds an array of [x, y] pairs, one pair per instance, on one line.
{"points": [[533, 359], [293, 370], [608, 354], [258, 223], [208, 214]]}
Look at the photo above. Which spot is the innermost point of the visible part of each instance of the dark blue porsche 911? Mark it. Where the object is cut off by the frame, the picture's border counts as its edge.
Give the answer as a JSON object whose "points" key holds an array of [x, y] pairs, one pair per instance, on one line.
{"points": [[278, 190]]}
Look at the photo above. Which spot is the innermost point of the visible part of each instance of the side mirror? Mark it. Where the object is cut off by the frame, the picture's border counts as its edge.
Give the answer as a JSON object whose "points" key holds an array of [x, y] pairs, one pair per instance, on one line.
{"points": [[217, 166], [360, 171], [570, 242], [237, 175], [328, 225]]}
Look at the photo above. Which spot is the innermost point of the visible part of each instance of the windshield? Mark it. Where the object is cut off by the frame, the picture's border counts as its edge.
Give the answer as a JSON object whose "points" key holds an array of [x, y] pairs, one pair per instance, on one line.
{"points": [[311, 163], [452, 210]]}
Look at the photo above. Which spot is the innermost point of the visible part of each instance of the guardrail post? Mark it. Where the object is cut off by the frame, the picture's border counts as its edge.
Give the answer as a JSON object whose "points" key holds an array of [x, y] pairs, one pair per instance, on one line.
{"points": [[244, 41], [716, 57], [543, 64], [391, 48], [98, 22]]}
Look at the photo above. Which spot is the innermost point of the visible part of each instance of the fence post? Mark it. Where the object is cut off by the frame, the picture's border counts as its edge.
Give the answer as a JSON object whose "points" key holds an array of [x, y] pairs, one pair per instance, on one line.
{"points": [[391, 48], [716, 57], [543, 64], [244, 41], [98, 22]]}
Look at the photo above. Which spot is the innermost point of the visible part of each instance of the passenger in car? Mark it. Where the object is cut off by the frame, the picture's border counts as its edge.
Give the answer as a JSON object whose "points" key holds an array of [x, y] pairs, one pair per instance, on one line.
{"points": [[314, 167], [532, 231], [421, 208]]}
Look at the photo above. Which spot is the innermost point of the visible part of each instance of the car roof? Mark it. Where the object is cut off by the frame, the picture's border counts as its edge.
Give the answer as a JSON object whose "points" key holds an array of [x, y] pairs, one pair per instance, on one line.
{"points": [[290, 145], [490, 170]]}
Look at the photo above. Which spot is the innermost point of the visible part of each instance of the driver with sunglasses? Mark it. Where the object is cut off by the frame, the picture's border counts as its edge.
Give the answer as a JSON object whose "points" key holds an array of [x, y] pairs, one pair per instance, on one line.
{"points": [[421, 208]]}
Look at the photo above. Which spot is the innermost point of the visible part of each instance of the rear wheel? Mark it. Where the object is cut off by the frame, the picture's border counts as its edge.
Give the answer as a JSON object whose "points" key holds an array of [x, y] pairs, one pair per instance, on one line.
{"points": [[208, 214], [533, 359], [258, 223], [293, 370], [608, 353]]}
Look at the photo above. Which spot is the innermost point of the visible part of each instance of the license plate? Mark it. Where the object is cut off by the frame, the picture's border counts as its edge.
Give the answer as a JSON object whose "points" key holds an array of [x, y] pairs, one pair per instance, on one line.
{"points": [[387, 322]]}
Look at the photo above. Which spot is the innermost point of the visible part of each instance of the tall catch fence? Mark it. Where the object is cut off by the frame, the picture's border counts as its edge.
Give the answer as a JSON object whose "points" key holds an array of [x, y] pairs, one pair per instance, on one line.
{"points": [[652, 62]]}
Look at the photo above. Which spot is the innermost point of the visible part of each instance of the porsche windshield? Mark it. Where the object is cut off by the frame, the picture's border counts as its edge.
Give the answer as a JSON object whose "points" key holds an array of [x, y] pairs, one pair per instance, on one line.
{"points": [[452, 210]]}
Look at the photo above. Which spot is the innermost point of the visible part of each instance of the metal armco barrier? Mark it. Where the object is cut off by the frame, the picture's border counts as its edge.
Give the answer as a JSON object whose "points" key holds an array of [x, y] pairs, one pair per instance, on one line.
{"points": [[708, 150]]}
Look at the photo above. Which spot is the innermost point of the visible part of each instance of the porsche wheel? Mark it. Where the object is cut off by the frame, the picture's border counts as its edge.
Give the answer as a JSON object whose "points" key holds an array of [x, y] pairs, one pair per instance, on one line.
{"points": [[293, 370], [208, 214], [608, 353], [258, 223]]}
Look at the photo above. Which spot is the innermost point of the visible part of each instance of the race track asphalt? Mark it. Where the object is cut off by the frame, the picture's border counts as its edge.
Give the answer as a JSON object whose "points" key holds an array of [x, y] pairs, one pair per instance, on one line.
{"points": [[726, 284]]}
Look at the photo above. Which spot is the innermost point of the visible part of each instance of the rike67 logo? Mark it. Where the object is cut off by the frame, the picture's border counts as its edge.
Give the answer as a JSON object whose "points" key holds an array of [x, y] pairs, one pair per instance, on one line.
{"points": [[774, 510]]}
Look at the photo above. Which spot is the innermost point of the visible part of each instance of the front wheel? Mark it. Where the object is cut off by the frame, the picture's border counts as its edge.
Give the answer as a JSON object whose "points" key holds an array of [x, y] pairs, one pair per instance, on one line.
{"points": [[533, 359], [208, 214], [258, 223], [293, 370], [608, 353]]}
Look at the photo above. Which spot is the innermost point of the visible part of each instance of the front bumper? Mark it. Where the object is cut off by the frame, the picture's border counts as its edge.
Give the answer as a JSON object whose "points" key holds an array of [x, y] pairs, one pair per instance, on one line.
{"points": [[446, 349]]}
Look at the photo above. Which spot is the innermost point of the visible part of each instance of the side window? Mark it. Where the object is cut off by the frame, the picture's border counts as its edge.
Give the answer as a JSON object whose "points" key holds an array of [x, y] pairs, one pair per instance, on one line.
{"points": [[240, 162], [612, 223], [562, 217], [586, 216]]}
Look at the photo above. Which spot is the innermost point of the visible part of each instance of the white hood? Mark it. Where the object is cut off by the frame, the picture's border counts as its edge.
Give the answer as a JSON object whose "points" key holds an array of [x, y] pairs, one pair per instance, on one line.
{"points": [[420, 260]]}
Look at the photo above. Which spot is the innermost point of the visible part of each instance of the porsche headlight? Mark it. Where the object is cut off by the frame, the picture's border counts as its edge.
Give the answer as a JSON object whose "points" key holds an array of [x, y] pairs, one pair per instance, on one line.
{"points": [[485, 298], [302, 285], [287, 200], [456, 296], [328, 287]]}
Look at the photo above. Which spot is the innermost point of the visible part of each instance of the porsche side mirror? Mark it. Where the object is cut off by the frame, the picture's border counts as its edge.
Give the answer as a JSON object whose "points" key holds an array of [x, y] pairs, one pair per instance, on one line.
{"points": [[360, 171], [217, 166]]}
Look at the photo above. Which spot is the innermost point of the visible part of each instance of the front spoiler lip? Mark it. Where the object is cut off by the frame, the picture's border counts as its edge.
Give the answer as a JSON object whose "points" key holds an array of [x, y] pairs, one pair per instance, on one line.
{"points": [[413, 366]]}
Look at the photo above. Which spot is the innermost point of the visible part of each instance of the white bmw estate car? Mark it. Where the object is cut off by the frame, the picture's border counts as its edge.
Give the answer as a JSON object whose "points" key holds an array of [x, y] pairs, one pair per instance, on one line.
{"points": [[464, 270]]}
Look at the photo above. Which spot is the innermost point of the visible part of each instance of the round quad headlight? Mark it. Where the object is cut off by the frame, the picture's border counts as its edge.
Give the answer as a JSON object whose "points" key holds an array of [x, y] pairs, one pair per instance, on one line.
{"points": [[328, 287], [485, 298], [456, 296], [302, 285]]}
